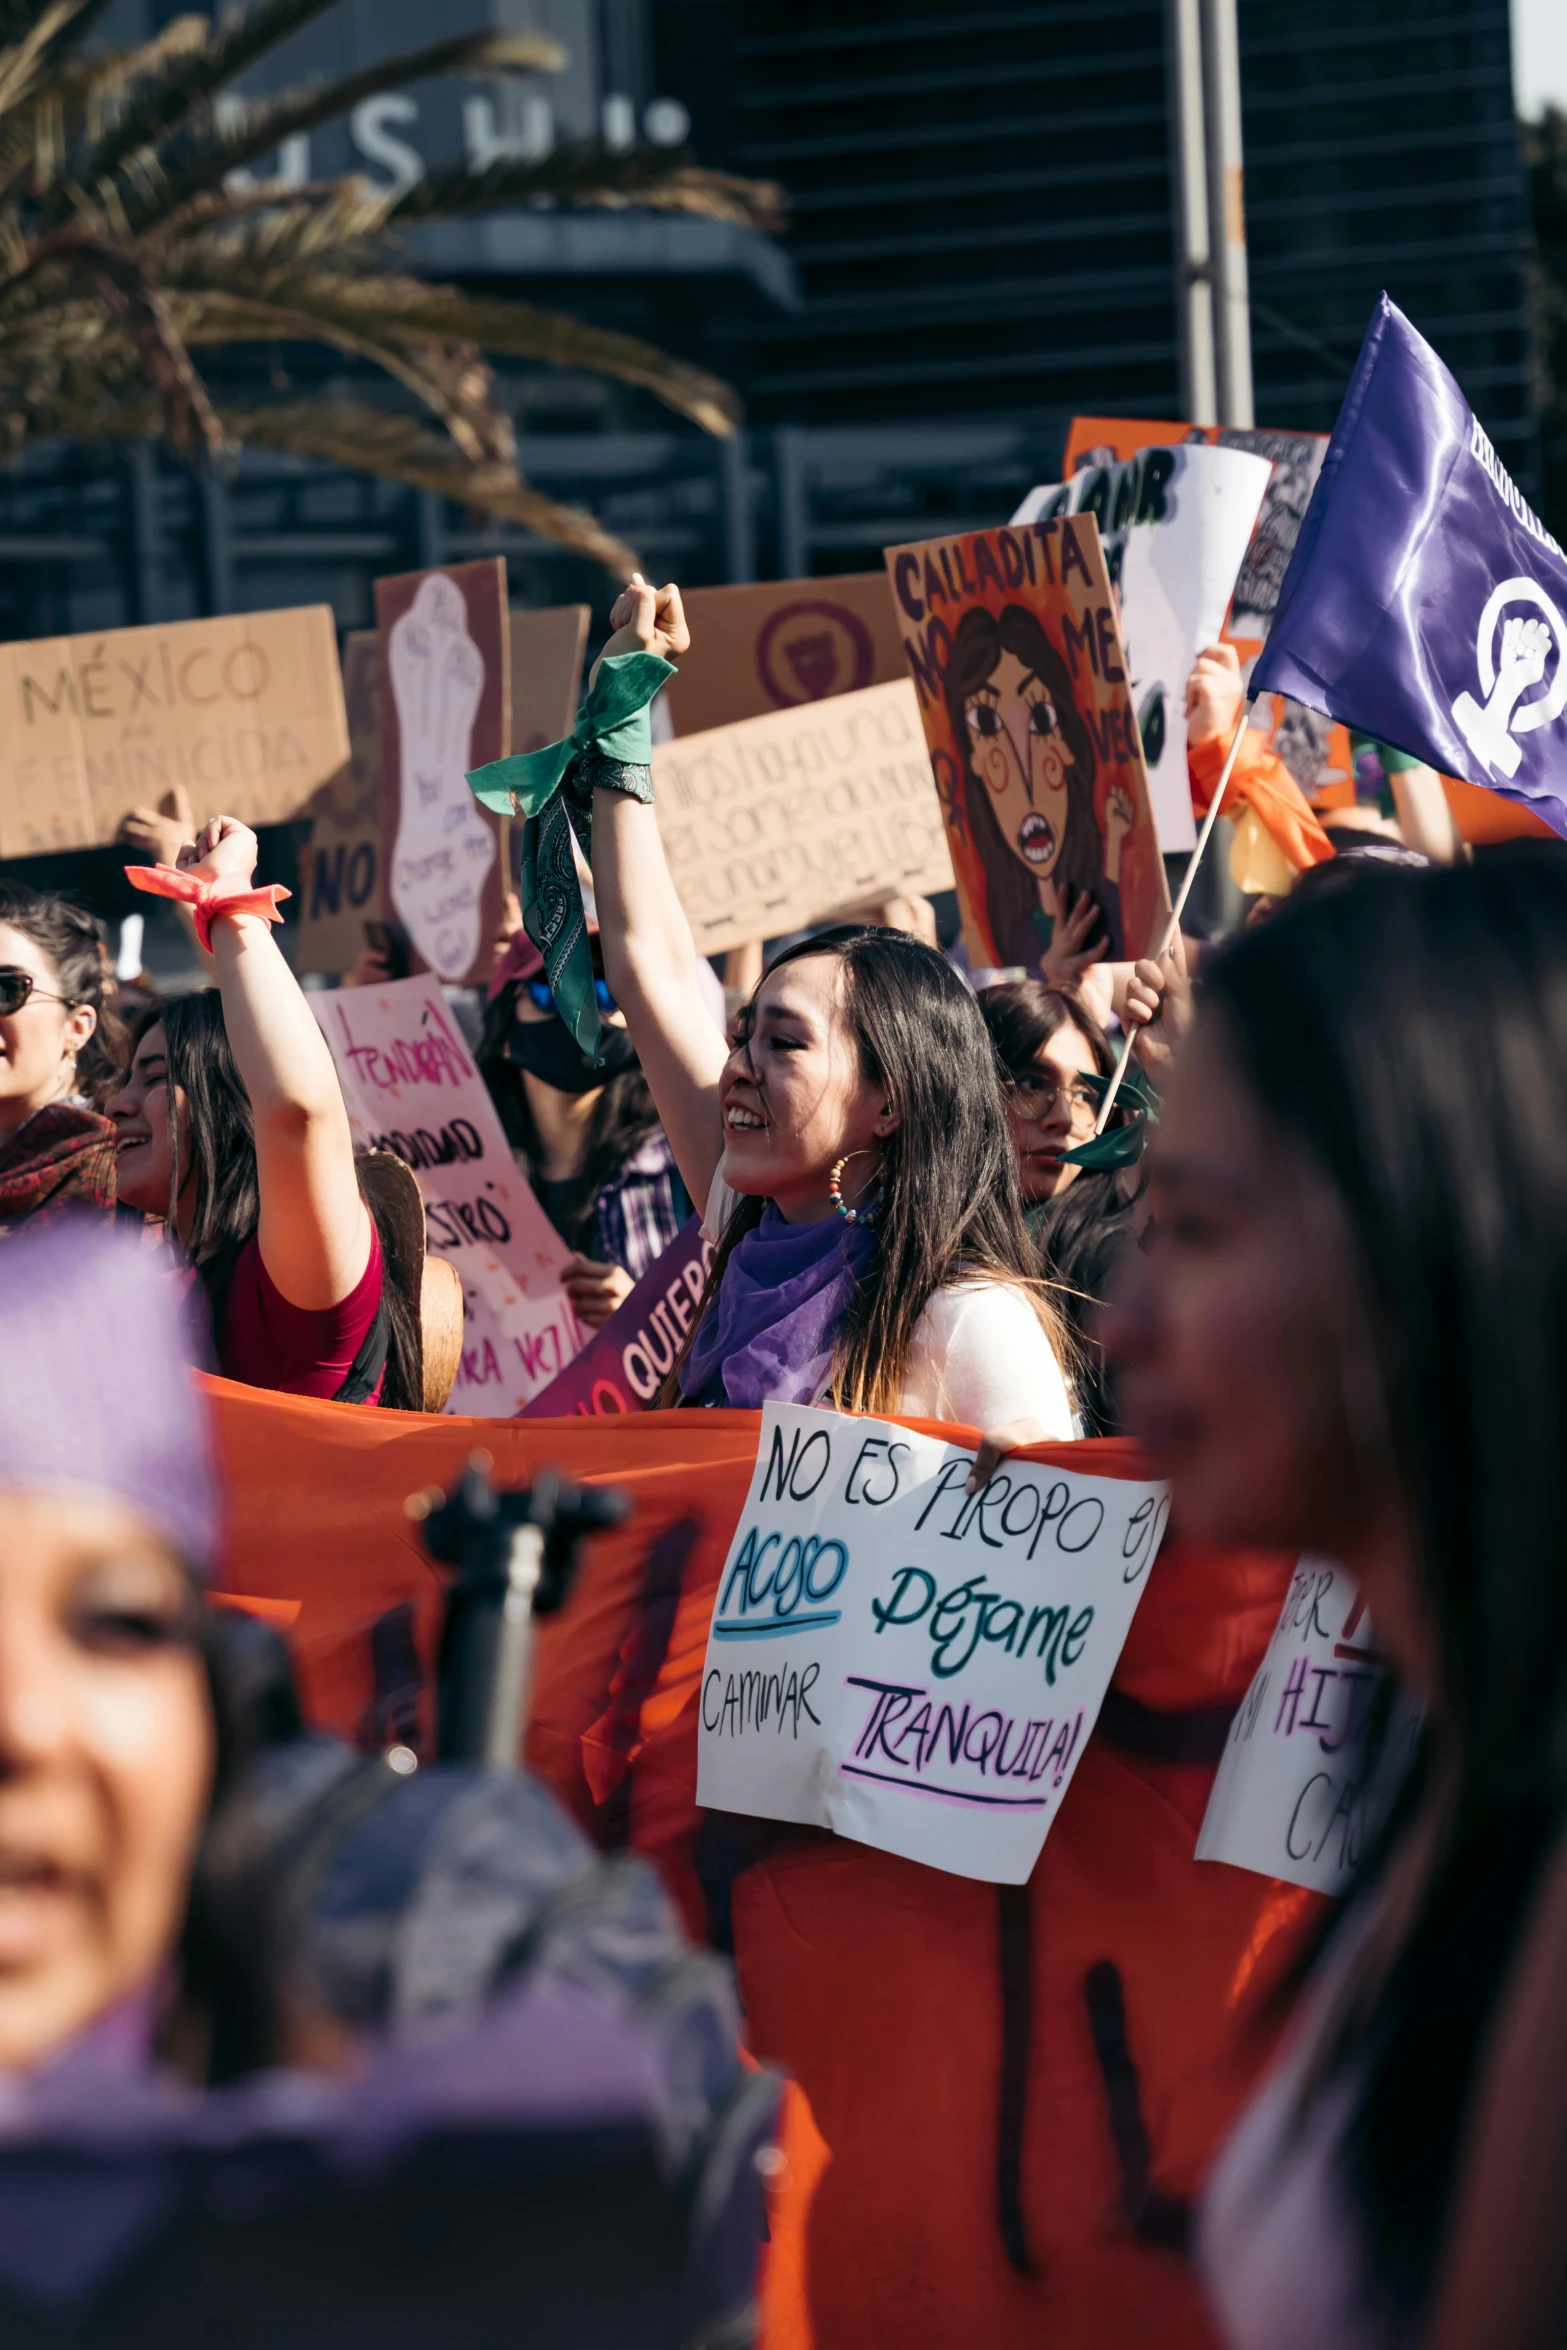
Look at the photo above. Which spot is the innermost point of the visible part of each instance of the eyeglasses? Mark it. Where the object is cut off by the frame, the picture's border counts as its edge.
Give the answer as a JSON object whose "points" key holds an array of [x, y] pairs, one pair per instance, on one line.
{"points": [[1036, 1095], [542, 994], [19, 987]]}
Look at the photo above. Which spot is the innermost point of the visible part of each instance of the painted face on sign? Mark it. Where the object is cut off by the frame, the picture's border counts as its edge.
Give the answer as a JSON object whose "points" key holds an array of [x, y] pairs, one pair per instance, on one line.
{"points": [[1019, 752], [1029, 783]]}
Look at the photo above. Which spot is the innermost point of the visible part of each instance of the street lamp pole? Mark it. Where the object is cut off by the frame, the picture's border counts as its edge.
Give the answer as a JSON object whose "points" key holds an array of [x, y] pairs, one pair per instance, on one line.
{"points": [[1227, 211], [1193, 249]]}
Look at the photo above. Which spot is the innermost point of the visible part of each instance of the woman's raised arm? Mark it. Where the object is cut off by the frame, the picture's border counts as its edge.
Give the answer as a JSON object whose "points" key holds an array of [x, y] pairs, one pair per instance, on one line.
{"points": [[314, 1229], [650, 957]]}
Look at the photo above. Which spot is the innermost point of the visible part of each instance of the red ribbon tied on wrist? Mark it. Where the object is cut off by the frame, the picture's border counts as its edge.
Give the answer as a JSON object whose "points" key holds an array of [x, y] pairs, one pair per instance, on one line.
{"points": [[208, 899]]}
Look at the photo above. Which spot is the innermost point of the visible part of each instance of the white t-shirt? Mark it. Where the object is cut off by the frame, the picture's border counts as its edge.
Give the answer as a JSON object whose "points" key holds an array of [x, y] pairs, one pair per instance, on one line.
{"points": [[980, 1353]]}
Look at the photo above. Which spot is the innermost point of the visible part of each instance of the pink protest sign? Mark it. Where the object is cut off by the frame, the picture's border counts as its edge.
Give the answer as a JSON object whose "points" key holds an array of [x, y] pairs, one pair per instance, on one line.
{"points": [[411, 1086], [622, 1369]]}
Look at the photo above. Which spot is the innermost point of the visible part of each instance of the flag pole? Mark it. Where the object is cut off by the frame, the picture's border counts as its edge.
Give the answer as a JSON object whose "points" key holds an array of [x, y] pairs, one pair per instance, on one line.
{"points": [[1179, 907]]}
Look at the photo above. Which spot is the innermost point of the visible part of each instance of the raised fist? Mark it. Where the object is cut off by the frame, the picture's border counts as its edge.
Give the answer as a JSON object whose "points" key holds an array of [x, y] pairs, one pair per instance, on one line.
{"points": [[1526, 646]]}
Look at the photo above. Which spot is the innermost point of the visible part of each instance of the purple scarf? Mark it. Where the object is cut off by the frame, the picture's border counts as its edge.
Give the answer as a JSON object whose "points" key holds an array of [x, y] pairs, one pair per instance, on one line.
{"points": [[768, 1336]]}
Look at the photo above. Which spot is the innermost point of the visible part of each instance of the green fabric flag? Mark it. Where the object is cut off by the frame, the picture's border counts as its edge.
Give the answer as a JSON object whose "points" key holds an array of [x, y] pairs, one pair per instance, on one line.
{"points": [[612, 745]]}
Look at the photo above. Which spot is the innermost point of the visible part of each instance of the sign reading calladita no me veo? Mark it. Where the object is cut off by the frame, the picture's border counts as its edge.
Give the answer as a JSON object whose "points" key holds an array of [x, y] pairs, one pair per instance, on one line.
{"points": [[909, 1664]]}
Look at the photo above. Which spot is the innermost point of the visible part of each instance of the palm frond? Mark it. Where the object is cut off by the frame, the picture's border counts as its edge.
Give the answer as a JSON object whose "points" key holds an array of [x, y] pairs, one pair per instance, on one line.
{"points": [[267, 124], [588, 173], [91, 91], [392, 308], [452, 380], [172, 96], [124, 248], [53, 31], [372, 440], [109, 80]]}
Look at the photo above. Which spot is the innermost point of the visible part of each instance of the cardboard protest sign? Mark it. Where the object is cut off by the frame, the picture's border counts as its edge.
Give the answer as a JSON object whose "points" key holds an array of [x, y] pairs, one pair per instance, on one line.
{"points": [[340, 865], [769, 647], [411, 1087], [340, 871], [245, 712], [912, 1667], [445, 707], [547, 647], [623, 1365], [1175, 523], [1294, 1796], [780, 822], [1012, 640], [1315, 750]]}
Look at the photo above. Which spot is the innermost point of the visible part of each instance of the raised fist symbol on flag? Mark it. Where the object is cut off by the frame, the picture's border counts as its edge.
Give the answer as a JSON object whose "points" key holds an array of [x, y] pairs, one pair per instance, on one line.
{"points": [[1526, 646]]}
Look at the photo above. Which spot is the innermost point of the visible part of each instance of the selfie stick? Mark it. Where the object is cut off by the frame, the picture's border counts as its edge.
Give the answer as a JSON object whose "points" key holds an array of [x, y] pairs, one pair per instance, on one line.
{"points": [[1179, 907]]}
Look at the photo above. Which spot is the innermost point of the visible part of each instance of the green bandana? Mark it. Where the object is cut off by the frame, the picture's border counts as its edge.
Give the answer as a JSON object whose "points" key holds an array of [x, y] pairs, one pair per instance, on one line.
{"points": [[611, 745], [1123, 1145]]}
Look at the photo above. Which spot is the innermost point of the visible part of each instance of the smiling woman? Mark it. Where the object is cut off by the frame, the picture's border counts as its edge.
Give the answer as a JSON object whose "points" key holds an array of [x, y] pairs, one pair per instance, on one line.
{"points": [[851, 1145], [55, 1151], [230, 1131]]}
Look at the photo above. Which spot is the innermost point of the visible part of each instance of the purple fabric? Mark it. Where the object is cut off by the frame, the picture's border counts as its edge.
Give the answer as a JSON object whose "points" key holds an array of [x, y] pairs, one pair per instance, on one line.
{"points": [[770, 1333], [1425, 603], [542, 2059], [96, 1394]]}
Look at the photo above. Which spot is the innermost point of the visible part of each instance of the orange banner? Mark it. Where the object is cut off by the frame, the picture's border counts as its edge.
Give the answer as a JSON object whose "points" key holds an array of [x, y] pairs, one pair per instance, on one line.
{"points": [[1112, 1992]]}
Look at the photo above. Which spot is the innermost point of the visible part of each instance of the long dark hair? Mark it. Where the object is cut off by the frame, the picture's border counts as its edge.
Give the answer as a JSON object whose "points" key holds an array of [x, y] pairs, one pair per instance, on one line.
{"points": [[226, 1205], [1080, 1233], [1012, 894], [623, 1118], [949, 1188], [1407, 1032], [73, 941]]}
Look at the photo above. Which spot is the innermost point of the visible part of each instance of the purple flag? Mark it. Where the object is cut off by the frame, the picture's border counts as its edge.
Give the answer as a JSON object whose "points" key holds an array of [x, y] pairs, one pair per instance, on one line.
{"points": [[623, 1368], [1424, 602]]}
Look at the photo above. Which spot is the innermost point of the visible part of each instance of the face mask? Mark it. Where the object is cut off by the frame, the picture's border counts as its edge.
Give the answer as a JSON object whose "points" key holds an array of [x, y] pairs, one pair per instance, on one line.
{"points": [[548, 1050]]}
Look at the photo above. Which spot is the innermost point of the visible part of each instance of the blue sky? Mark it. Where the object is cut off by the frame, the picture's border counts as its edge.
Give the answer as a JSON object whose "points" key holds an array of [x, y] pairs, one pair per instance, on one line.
{"points": [[1540, 54]]}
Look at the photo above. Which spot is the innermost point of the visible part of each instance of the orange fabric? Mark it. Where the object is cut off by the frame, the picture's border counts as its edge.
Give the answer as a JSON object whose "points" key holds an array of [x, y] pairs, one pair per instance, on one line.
{"points": [[873, 1981], [1485, 816], [1266, 784]]}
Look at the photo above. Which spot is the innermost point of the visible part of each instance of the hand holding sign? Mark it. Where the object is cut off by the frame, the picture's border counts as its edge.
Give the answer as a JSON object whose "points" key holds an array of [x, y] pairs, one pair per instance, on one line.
{"points": [[907, 1662]]}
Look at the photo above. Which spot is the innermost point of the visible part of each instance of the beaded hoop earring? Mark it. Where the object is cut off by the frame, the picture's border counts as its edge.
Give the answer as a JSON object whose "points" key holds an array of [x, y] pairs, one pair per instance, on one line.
{"points": [[865, 1216]]}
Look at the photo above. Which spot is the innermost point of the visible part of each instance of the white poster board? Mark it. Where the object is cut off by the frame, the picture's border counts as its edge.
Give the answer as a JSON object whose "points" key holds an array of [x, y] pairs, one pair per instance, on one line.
{"points": [[412, 1087], [1176, 524], [907, 1665], [1294, 1796]]}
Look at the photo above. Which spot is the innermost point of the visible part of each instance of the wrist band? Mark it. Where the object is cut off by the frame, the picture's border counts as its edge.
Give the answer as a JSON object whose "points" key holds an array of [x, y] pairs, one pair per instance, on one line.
{"points": [[609, 748], [208, 899]]}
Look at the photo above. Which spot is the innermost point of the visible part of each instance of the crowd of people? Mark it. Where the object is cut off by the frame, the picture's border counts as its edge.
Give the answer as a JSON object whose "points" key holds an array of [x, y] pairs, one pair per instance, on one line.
{"points": [[1316, 1267]]}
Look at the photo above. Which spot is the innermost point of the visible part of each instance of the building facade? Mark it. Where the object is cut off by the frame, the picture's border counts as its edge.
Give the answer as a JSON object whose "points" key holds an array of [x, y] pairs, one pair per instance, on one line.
{"points": [[980, 245]]}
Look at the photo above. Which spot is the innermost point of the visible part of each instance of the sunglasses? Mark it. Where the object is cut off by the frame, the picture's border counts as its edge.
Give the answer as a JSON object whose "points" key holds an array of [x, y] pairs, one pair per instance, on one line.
{"points": [[19, 987], [542, 994]]}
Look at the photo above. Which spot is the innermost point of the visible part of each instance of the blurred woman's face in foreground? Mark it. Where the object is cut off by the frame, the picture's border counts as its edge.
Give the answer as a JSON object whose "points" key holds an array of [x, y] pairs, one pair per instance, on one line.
{"points": [[106, 1762], [1244, 1351]]}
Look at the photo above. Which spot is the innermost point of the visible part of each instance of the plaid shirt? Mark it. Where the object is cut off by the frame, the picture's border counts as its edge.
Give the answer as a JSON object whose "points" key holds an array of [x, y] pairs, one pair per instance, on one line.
{"points": [[641, 1208]]}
